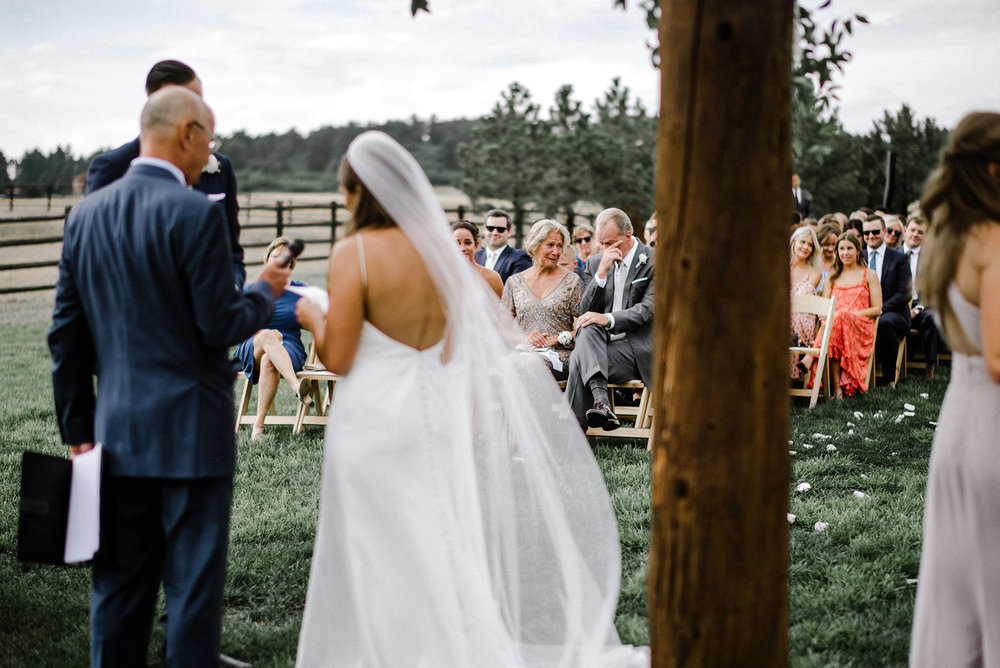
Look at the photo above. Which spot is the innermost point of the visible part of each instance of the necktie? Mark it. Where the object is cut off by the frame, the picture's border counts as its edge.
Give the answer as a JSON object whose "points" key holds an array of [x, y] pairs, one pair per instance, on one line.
{"points": [[874, 262], [491, 259], [621, 276]]}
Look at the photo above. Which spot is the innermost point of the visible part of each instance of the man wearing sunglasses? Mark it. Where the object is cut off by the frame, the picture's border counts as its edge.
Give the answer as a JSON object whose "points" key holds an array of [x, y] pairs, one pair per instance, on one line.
{"points": [[893, 271], [217, 179], [498, 255]]}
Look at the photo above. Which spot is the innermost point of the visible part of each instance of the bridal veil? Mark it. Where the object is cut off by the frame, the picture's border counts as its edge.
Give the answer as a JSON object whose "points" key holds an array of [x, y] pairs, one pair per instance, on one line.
{"points": [[532, 508]]}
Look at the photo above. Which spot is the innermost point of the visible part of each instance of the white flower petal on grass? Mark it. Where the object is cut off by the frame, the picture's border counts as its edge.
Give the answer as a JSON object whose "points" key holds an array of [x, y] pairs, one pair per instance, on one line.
{"points": [[850, 432], [791, 518], [821, 437], [831, 448], [792, 453], [803, 487], [821, 526], [899, 418], [911, 581], [864, 475], [868, 439], [808, 446], [859, 494], [924, 395], [858, 415], [932, 422], [878, 416], [789, 443], [909, 407], [850, 424], [894, 454], [909, 413]]}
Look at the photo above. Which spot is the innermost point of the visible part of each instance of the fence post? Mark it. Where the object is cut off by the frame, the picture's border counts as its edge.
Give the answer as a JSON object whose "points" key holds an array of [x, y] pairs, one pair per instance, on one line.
{"points": [[461, 212], [10, 194], [48, 207], [279, 219], [333, 223]]}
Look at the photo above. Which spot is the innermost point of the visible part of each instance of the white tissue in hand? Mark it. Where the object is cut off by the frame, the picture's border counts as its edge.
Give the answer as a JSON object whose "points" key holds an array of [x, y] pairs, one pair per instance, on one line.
{"points": [[313, 294]]}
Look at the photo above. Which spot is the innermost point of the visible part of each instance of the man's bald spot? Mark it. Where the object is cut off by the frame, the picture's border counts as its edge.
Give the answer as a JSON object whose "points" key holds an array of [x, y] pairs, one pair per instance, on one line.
{"points": [[171, 106]]}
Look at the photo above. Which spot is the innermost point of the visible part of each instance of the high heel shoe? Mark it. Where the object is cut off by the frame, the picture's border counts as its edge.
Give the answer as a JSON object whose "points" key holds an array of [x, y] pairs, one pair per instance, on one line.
{"points": [[302, 392]]}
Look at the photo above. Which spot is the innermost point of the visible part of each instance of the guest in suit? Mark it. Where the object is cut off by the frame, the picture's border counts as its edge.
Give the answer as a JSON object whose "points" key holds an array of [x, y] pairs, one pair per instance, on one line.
{"points": [[893, 272], [614, 338], [217, 179], [922, 318], [802, 199], [145, 300], [497, 255]]}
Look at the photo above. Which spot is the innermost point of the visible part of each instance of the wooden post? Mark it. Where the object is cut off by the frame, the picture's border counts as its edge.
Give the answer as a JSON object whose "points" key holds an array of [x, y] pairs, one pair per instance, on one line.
{"points": [[718, 564]]}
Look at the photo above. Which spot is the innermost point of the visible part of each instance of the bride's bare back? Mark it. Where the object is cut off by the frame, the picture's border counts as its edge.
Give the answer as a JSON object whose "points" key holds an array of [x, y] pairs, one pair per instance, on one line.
{"points": [[399, 298]]}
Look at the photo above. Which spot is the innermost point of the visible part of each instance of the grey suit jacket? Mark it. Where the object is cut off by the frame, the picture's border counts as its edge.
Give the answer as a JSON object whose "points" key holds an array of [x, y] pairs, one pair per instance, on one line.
{"points": [[635, 318]]}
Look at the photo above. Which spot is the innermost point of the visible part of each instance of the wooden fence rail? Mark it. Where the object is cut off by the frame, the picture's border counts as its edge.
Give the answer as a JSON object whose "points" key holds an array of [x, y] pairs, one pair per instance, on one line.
{"points": [[318, 225]]}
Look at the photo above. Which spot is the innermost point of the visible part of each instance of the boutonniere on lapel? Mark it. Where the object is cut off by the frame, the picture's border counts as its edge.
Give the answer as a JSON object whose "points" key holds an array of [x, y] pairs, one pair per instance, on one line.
{"points": [[643, 258], [213, 165]]}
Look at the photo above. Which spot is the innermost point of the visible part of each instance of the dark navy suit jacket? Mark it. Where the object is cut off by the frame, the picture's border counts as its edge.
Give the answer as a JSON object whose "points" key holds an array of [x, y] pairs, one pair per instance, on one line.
{"points": [[219, 187], [510, 262], [145, 297], [896, 285]]}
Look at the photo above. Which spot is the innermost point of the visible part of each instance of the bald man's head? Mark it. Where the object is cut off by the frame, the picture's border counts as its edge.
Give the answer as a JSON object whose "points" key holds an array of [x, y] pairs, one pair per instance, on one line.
{"points": [[177, 126]]}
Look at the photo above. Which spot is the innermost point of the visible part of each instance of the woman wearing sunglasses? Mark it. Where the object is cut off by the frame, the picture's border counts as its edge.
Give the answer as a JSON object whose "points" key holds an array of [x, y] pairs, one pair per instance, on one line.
{"points": [[584, 241]]}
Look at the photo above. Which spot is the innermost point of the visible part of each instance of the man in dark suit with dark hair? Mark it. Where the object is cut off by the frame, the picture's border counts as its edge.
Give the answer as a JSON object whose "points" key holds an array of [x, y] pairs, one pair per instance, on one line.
{"points": [[614, 339], [498, 255], [217, 180], [145, 300], [893, 271]]}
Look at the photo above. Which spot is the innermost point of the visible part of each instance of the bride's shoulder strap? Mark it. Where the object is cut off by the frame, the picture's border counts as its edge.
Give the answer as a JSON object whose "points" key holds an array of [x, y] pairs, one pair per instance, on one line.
{"points": [[364, 272]]}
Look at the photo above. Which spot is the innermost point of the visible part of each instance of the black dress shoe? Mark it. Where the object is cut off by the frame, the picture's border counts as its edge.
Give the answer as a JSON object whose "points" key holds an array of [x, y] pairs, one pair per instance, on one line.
{"points": [[601, 416]]}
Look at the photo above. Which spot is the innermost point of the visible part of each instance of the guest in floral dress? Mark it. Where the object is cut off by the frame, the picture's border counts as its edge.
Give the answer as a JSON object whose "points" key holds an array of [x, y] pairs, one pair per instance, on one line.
{"points": [[804, 274], [544, 298]]}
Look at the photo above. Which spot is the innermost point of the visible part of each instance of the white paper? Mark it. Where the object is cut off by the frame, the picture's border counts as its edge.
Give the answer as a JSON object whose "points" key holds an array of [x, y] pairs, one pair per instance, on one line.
{"points": [[83, 526], [312, 293]]}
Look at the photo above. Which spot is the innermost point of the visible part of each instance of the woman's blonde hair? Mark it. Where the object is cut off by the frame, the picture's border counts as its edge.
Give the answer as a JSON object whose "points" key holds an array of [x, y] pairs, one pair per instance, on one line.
{"points": [[278, 243], [814, 257], [540, 231], [958, 196]]}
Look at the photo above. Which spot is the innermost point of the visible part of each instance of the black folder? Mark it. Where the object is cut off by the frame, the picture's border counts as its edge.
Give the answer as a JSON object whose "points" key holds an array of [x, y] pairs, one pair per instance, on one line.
{"points": [[43, 508]]}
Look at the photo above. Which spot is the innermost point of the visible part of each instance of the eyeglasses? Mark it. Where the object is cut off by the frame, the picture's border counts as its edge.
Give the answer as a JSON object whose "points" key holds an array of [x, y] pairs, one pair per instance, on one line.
{"points": [[490, 228], [868, 233], [893, 232], [213, 142], [582, 240]]}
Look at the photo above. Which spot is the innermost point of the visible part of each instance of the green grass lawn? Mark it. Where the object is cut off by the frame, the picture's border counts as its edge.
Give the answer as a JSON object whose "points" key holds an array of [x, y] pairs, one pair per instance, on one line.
{"points": [[851, 584]]}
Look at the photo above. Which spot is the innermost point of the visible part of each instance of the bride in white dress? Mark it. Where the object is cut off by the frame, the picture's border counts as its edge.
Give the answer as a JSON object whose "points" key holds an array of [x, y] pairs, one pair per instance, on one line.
{"points": [[463, 519]]}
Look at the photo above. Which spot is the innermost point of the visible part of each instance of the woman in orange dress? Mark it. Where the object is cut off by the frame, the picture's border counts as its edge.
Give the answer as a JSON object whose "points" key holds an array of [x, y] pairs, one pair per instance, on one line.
{"points": [[859, 302]]}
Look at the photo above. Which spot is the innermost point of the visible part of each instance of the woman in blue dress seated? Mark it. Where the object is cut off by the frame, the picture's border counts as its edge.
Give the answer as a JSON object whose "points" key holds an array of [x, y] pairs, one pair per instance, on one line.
{"points": [[275, 352]]}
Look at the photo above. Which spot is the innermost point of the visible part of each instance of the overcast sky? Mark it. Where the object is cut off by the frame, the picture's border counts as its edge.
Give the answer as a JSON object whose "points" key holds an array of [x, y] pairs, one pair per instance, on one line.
{"points": [[72, 73]]}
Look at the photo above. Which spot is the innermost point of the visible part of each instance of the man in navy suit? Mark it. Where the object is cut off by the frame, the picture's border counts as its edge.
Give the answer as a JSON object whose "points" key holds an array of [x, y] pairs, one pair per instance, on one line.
{"points": [[893, 270], [217, 180], [614, 338], [497, 255], [145, 300]]}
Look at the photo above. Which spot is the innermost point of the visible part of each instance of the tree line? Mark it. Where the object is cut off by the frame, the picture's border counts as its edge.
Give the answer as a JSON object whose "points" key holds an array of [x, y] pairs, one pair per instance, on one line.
{"points": [[551, 160]]}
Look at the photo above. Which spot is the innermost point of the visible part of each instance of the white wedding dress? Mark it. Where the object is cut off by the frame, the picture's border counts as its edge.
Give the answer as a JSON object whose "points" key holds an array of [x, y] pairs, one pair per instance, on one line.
{"points": [[463, 519]]}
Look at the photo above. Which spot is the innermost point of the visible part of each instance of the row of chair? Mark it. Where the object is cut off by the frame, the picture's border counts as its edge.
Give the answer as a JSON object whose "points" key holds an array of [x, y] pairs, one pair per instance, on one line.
{"points": [[321, 384]]}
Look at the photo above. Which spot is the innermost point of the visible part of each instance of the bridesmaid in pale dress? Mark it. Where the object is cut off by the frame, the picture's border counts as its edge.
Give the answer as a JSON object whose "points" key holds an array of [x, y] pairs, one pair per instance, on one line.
{"points": [[804, 275], [957, 616], [859, 302]]}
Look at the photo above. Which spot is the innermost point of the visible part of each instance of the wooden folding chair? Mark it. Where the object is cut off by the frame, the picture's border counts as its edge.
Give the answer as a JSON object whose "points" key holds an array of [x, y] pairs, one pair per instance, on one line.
{"points": [[642, 414], [244, 416], [321, 384], [871, 359], [824, 308]]}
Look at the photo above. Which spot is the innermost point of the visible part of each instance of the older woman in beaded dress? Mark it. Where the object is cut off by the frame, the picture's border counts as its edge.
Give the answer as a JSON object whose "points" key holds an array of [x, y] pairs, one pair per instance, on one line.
{"points": [[544, 299]]}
